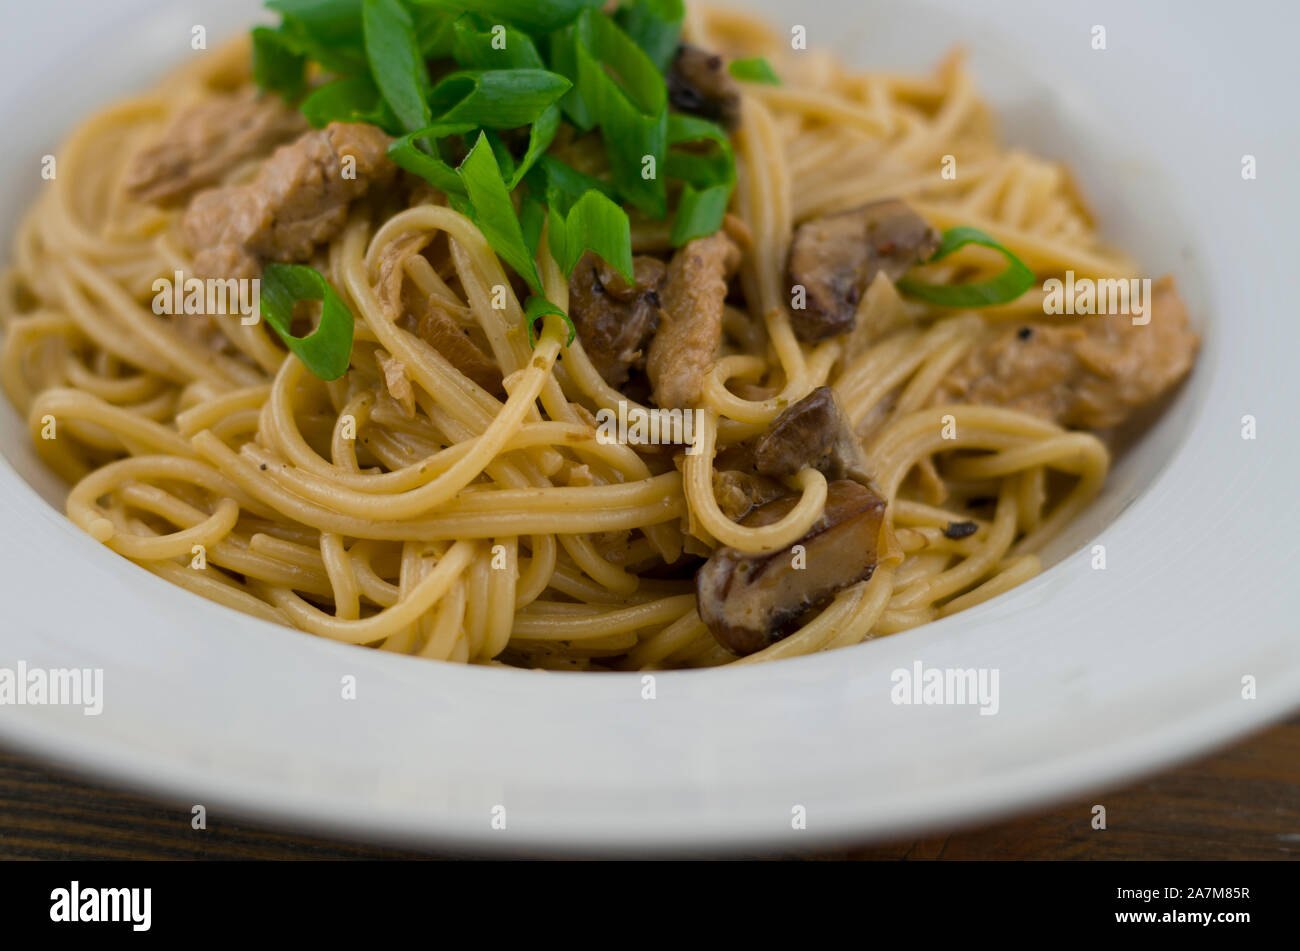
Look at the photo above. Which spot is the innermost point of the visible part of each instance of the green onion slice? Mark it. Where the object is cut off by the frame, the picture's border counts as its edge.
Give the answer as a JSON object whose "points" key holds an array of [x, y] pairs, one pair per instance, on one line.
{"points": [[397, 62], [497, 98], [1006, 287], [755, 70], [655, 26], [327, 351], [535, 308]]}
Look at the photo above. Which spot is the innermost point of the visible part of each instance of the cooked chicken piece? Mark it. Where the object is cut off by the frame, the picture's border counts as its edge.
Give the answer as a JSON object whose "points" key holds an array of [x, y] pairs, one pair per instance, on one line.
{"points": [[750, 602], [699, 84], [207, 141], [615, 320], [1085, 373], [812, 432], [440, 330], [690, 327], [413, 310], [298, 200], [398, 383], [835, 258]]}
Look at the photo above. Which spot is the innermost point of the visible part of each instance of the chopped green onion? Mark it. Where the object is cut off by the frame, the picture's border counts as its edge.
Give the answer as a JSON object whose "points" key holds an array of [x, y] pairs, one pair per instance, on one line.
{"points": [[540, 137], [327, 351], [535, 16], [535, 308], [629, 101], [328, 32], [709, 178], [656, 27], [434, 29], [563, 184], [717, 167], [497, 98], [433, 169], [564, 60], [595, 224], [475, 46], [277, 66], [501, 152], [396, 62], [755, 70], [605, 72], [1006, 287], [532, 218], [492, 210], [350, 100], [700, 213]]}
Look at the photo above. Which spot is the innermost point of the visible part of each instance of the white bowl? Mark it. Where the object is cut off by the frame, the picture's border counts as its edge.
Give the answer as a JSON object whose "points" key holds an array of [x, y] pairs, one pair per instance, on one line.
{"points": [[1103, 674]]}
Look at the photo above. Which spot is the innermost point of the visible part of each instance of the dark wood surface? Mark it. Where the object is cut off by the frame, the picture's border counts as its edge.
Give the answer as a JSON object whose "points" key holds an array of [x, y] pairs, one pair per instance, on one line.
{"points": [[1243, 803]]}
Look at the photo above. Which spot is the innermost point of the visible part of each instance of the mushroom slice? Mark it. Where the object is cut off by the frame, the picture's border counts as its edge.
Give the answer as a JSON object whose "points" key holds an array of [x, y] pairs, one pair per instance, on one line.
{"points": [[615, 320], [738, 493], [749, 602], [812, 432], [699, 84], [835, 258]]}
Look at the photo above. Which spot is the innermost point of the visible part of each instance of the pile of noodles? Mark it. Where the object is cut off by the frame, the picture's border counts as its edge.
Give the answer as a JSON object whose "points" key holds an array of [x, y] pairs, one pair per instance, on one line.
{"points": [[504, 531]]}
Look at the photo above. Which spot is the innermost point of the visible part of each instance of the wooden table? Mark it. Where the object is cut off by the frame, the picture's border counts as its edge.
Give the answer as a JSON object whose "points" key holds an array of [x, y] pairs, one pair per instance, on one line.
{"points": [[1243, 803]]}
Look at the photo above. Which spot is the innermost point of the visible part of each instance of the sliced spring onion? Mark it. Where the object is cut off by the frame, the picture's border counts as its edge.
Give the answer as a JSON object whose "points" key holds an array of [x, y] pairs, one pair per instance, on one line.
{"points": [[478, 44], [532, 218], [700, 213], [562, 184], [655, 26], [540, 137], [1003, 289], [490, 208], [497, 98], [277, 66], [595, 224], [327, 351], [535, 308], [396, 62], [754, 70], [326, 31], [433, 169], [434, 29], [629, 101], [535, 16], [564, 60], [710, 159], [355, 99], [709, 176]]}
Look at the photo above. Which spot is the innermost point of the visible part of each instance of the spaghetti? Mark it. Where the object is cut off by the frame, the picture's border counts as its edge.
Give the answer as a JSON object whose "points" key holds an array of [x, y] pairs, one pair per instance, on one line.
{"points": [[486, 528]]}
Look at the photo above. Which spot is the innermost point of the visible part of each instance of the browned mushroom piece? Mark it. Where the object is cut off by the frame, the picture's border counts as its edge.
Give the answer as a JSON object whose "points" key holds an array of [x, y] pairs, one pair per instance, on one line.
{"points": [[615, 320], [699, 84], [750, 602], [812, 432], [739, 492], [737, 488], [835, 258]]}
